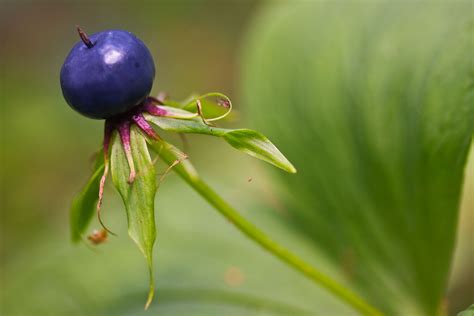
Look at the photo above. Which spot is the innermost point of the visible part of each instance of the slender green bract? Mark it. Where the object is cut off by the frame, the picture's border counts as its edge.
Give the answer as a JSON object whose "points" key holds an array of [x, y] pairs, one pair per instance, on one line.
{"points": [[138, 197], [257, 145], [248, 141], [85, 202]]}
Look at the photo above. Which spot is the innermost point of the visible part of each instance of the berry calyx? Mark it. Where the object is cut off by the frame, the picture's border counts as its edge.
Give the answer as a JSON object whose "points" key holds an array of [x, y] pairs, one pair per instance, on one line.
{"points": [[122, 123]]}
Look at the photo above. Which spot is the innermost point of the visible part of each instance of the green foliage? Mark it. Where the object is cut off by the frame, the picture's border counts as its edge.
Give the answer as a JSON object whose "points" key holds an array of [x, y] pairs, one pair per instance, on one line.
{"points": [[468, 312], [183, 124], [139, 196], [245, 140], [84, 203], [258, 146], [374, 103], [175, 112]]}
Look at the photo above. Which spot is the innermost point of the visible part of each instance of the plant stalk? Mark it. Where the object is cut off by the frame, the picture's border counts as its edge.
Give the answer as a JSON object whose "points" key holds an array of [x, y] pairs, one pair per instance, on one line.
{"points": [[169, 154]]}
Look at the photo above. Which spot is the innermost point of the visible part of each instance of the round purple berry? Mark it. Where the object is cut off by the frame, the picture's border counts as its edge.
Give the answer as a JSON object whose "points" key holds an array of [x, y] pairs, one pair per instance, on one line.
{"points": [[107, 74]]}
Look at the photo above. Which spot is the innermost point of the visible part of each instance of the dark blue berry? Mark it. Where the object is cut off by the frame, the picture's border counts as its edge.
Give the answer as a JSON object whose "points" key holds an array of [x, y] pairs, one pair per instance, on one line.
{"points": [[107, 74]]}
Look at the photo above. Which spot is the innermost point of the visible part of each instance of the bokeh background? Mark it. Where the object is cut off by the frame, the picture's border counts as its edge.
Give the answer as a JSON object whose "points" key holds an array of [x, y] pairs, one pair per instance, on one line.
{"points": [[203, 265]]}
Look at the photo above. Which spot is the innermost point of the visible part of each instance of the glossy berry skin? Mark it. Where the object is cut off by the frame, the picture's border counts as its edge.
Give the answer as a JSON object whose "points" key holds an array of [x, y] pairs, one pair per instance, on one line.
{"points": [[109, 78]]}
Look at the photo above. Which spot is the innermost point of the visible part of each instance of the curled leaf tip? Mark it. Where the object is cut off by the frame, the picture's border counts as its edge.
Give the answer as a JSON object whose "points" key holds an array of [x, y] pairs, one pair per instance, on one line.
{"points": [[220, 100]]}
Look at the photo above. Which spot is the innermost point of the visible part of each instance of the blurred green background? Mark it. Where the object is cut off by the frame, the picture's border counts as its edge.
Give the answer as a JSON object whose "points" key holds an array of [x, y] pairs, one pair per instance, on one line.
{"points": [[203, 265]]}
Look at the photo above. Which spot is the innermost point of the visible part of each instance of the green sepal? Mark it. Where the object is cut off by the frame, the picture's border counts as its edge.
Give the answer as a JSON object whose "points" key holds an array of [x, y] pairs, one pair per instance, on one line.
{"points": [[84, 203], [139, 196]]}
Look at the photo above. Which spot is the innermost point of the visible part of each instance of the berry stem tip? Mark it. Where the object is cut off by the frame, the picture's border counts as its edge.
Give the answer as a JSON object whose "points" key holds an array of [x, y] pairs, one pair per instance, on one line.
{"points": [[85, 39]]}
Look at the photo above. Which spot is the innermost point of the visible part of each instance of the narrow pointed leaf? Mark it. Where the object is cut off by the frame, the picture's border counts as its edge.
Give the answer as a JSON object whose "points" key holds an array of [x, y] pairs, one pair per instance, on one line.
{"points": [[245, 140], [174, 112], [84, 203], [194, 126], [258, 146], [138, 197]]}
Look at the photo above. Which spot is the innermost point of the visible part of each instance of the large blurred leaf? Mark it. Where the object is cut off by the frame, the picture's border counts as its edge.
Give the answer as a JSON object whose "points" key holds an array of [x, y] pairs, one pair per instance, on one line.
{"points": [[373, 102], [139, 196]]}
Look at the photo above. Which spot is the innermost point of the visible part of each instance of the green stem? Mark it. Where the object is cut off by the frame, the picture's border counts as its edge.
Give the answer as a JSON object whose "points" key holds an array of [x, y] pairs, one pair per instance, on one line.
{"points": [[169, 154]]}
